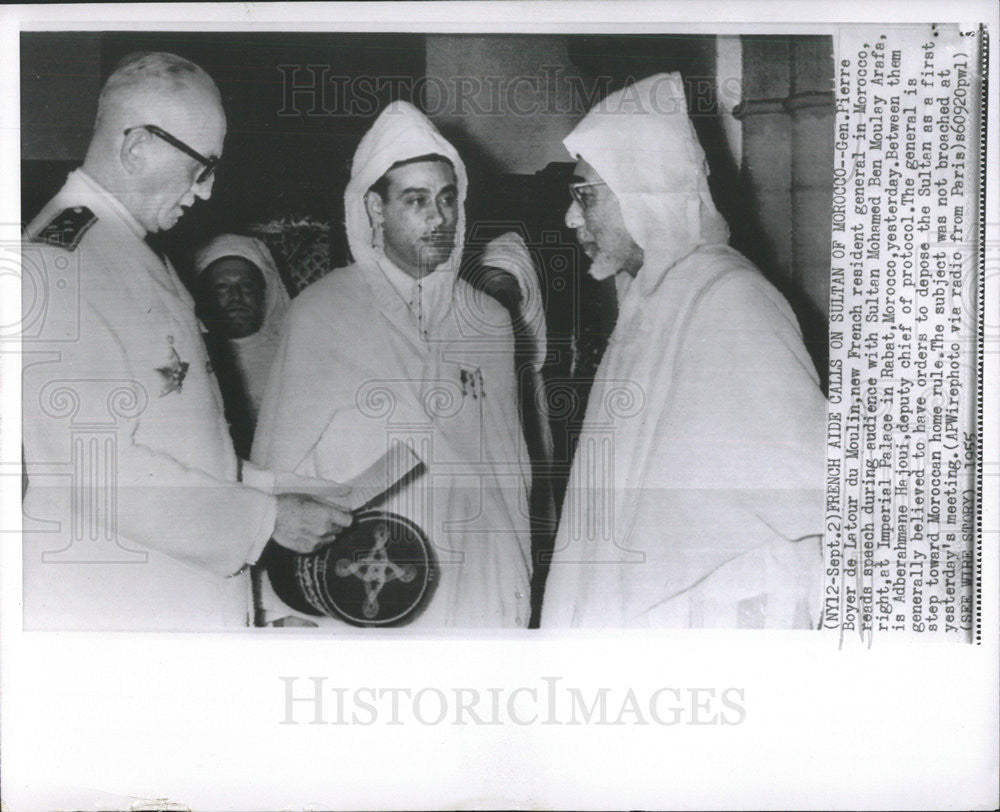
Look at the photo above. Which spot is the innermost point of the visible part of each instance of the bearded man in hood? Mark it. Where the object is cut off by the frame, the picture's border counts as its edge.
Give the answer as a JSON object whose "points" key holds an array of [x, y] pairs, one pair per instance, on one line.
{"points": [[695, 495], [395, 347]]}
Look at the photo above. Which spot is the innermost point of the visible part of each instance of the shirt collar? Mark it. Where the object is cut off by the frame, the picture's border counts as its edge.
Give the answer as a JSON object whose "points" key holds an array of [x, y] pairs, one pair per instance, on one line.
{"points": [[401, 281]]}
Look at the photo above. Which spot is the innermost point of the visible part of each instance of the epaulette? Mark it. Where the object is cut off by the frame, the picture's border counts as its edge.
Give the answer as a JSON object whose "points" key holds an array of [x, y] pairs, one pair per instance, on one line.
{"points": [[67, 228]]}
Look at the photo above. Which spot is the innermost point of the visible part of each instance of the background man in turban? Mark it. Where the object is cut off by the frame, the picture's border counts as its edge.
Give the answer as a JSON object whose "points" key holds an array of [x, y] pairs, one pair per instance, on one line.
{"points": [[242, 301]]}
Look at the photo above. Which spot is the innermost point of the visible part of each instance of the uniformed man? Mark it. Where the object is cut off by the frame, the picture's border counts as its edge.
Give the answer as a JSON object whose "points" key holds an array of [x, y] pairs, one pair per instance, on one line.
{"points": [[138, 514]]}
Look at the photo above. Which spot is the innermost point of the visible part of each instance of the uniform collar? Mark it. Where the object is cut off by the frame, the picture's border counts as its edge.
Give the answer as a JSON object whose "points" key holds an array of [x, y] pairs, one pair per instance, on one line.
{"points": [[111, 207], [82, 189]]}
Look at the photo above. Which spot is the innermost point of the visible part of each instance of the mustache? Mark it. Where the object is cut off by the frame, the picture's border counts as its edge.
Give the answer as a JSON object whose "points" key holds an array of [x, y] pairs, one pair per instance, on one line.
{"points": [[439, 236]]}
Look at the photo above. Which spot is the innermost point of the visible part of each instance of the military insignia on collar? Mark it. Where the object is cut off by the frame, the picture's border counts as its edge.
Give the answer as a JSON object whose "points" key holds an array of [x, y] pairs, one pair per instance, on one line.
{"points": [[67, 228], [173, 373]]}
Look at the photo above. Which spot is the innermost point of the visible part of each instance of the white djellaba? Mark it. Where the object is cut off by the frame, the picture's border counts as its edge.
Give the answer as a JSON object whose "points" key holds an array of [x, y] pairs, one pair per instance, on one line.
{"points": [[369, 357], [695, 497]]}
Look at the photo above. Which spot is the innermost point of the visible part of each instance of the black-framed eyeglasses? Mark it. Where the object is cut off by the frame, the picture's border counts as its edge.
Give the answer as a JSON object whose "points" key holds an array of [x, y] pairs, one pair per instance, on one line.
{"points": [[576, 188], [174, 141]]}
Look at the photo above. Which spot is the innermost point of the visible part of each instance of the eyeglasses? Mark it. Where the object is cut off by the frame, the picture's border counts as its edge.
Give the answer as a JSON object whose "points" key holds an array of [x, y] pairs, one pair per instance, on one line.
{"points": [[575, 188], [208, 163]]}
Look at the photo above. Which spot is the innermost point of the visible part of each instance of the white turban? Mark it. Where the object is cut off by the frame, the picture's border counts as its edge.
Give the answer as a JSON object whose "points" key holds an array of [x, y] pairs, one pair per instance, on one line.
{"points": [[400, 133], [642, 144], [254, 353]]}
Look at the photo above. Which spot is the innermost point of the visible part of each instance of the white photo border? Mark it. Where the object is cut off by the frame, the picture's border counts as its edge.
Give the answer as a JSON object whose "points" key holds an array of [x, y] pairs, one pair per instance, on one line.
{"points": [[113, 721]]}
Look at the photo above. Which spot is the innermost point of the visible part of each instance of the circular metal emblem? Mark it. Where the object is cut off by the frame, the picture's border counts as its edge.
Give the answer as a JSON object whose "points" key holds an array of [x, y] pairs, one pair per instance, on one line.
{"points": [[380, 571]]}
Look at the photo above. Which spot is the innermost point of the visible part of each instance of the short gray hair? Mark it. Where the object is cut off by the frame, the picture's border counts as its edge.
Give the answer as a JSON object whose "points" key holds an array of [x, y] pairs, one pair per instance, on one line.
{"points": [[140, 68]]}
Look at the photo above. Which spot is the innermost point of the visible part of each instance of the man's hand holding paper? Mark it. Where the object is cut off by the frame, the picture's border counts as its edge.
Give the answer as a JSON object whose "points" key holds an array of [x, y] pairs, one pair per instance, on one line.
{"points": [[311, 512], [305, 523]]}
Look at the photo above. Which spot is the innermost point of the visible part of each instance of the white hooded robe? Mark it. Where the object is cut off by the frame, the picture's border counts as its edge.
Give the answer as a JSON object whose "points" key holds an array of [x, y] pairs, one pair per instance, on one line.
{"points": [[695, 495], [359, 368]]}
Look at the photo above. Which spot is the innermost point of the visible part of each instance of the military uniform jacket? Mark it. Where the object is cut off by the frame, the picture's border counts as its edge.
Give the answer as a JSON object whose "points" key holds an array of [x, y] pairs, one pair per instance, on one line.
{"points": [[133, 515]]}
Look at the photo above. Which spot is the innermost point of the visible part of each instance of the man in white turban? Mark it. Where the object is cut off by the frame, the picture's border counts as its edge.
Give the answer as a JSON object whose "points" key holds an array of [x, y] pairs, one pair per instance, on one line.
{"points": [[396, 348], [695, 495], [242, 301]]}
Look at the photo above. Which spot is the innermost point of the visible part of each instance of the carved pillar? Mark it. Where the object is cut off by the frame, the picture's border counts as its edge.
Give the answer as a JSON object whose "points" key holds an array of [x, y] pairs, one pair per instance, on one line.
{"points": [[767, 148], [787, 115]]}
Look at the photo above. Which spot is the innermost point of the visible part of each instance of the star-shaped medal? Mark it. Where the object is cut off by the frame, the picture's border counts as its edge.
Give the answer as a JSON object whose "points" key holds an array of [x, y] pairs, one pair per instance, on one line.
{"points": [[173, 374]]}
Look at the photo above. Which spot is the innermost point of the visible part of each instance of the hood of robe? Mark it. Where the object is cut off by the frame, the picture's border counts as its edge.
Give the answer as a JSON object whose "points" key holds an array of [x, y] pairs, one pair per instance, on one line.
{"points": [[642, 144], [252, 354], [251, 249], [399, 133]]}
